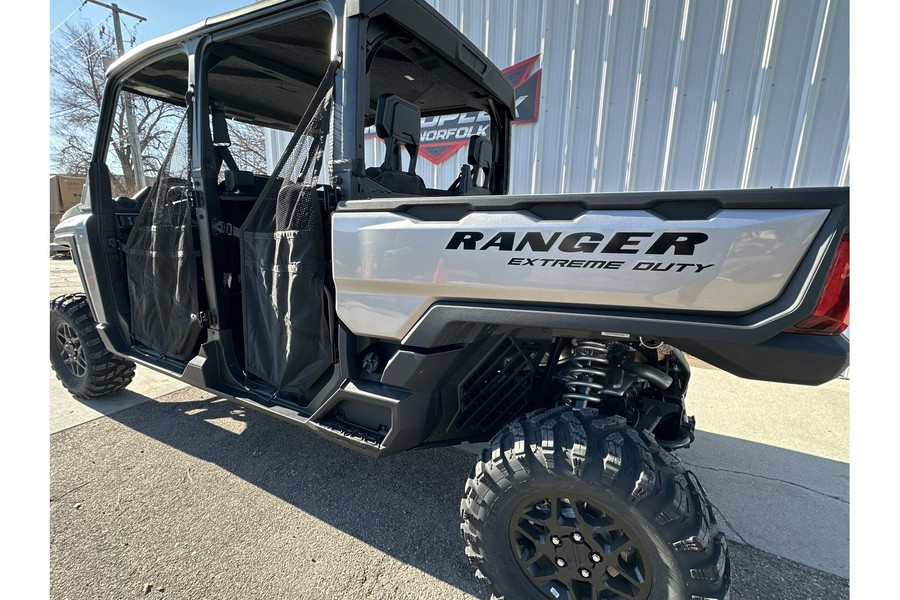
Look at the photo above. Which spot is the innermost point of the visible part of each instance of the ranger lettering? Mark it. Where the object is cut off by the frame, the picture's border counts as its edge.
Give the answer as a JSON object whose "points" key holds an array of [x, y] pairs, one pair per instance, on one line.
{"points": [[681, 243]]}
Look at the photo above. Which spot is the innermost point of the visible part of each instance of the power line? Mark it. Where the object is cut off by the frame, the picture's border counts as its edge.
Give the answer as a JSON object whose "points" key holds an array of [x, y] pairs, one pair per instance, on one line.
{"points": [[65, 111], [96, 52], [129, 115], [71, 14], [84, 35], [133, 31], [116, 10]]}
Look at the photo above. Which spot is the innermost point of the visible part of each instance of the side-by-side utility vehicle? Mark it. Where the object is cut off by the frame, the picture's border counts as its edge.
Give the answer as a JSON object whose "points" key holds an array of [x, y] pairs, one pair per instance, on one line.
{"points": [[347, 294]]}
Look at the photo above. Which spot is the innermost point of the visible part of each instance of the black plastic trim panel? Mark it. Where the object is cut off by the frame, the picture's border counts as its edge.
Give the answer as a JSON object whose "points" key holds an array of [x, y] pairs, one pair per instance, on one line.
{"points": [[786, 358], [796, 198]]}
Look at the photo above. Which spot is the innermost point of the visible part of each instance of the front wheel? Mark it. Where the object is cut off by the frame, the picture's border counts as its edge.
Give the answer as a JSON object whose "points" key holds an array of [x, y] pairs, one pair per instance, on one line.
{"points": [[82, 363], [570, 505]]}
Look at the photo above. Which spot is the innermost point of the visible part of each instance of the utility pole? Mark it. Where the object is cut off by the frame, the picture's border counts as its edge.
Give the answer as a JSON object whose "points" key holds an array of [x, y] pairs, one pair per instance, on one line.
{"points": [[139, 179]]}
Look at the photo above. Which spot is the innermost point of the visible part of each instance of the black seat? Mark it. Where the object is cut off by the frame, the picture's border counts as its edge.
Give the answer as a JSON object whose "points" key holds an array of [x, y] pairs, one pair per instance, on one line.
{"points": [[481, 157], [480, 162], [398, 123]]}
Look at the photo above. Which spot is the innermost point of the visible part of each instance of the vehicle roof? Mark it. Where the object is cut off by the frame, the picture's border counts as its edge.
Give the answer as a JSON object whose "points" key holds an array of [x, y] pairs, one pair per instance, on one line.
{"points": [[206, 26], [414, 15]]}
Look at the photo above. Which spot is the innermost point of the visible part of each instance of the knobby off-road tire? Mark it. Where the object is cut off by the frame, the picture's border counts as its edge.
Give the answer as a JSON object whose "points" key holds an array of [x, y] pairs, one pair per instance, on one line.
{"points": [[570, 505], [82, 363]]}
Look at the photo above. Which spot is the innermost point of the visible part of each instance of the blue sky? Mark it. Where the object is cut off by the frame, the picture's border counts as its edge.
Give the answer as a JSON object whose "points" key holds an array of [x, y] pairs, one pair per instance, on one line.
{"points": [[163, 16]]}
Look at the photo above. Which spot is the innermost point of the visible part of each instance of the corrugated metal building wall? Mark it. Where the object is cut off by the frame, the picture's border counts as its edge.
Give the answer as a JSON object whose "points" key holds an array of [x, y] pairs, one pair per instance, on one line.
{"points": [[669, 94]]}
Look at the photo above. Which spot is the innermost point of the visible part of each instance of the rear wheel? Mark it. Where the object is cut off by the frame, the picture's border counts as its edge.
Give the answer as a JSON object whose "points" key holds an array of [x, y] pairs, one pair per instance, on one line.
{"points": [[570, 505], [82, 363]]}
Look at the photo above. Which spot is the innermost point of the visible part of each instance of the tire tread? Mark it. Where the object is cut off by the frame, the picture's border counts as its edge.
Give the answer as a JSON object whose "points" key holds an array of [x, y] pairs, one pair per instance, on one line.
{"points": [[106, 373], [604, 451]]}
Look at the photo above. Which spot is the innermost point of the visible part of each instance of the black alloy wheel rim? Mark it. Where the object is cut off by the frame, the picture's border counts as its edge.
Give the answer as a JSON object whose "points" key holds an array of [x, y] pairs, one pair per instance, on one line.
{"points": [[572, 548], [70, 350]]}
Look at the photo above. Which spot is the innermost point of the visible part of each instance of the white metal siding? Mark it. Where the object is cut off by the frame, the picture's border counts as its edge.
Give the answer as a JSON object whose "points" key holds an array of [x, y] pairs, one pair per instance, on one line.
{"points": [[669, 94]]}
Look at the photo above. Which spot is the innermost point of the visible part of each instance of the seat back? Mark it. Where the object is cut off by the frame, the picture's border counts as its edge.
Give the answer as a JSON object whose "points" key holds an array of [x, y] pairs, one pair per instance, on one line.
{"points": [[397, 122], [481, 157]]}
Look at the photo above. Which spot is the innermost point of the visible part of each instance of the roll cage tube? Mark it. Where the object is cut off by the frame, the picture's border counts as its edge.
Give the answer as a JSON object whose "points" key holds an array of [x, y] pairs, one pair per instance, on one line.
{"points": [[226, 323], [109, 303]]}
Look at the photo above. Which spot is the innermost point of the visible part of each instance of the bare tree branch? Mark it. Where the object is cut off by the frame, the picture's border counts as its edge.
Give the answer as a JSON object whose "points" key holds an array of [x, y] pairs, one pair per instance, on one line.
{"points": [[77, 79], [248, 145]]}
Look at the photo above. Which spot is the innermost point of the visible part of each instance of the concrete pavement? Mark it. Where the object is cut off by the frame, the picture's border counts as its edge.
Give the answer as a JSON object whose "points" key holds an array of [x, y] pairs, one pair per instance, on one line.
{"points": [[66, 411], [774, 460]]}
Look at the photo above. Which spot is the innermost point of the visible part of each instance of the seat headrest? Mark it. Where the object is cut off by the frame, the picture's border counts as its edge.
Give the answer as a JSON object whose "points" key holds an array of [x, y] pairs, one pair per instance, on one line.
{"points": [[481, 152], [398, 119]]}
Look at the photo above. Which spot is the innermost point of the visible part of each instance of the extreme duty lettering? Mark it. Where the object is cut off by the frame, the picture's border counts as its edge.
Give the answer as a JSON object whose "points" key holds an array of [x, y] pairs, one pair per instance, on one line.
{"points": [[582, 242]]}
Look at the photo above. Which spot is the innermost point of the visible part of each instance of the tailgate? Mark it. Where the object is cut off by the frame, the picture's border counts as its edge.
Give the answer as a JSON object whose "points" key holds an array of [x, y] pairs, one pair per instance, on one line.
{"points": [[740, 258]]}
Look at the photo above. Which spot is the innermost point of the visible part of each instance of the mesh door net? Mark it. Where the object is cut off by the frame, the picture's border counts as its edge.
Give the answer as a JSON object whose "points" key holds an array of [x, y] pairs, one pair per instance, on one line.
{"points": [[284, 267], [161, 259]]}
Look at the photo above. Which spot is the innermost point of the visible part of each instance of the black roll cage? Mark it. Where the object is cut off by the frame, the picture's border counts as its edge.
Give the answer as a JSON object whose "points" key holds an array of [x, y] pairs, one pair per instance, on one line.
{"points": [[350, 27], [350, 37]]}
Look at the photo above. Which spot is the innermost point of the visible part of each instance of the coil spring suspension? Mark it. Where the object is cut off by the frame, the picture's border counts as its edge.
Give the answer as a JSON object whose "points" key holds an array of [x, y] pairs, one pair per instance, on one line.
{"points": [[584, 379]]}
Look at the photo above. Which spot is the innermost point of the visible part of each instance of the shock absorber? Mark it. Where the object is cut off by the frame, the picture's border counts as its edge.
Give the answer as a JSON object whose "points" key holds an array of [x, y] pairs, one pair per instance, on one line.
{"points": [[584, 379]]}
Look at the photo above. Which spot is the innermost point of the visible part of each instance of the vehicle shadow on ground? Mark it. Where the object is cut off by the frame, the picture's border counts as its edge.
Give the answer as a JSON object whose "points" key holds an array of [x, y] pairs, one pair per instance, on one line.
{"points": [[406, 505]]}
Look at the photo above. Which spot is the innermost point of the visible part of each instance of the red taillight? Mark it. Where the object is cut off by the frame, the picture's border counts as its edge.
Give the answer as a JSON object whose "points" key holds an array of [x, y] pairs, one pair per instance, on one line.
{"points": [[832, 314]]}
